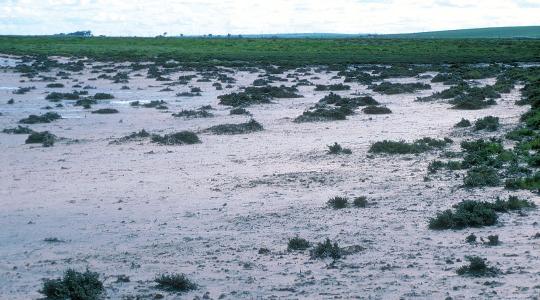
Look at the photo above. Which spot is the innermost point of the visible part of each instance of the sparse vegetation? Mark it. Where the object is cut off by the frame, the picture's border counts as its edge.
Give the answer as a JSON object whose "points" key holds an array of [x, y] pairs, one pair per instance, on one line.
{"points": [[337, 149], [477, 268], [389, 88], [488, 123], [338, 202], [258, 95], [298, 244], [178, 138], [463, 123], [360, 201], [45, 138], [45, 118], [327, 249], [376, 110], [401, 147]]}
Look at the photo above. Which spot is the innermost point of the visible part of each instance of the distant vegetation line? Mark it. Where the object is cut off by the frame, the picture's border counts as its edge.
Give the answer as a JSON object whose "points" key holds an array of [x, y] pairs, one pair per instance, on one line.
{"points": [[287, 52]]}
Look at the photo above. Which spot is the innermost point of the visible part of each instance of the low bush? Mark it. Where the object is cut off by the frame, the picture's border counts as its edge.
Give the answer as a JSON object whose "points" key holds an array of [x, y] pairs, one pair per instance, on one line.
{"points": [[332, 87], [524, 183], [258, 95], [103, 96], [327, 249], [401, 147], [488, 123], [337, 149], [481, 176], [389, 88], [477, 267], [45, 118], [55, 85], [18, 130], [74, 285], [142, 134], [45, 138], [199, 113], [239, 111], [178, 138], [298, 243], [376, 110], [463, 123], [360, 201], [242, 128], [323, 113], [103, 111]]}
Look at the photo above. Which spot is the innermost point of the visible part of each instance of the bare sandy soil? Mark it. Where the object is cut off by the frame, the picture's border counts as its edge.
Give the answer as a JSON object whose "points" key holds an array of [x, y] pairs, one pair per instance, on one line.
{"points": [[140, 209]]}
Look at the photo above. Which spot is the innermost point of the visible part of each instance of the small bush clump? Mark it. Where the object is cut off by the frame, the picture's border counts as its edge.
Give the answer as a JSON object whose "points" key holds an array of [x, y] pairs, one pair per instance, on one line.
{"points": [[337, 149], [105, 111], [326, 250], [74, 285], [360, 201], [175, 283], [481, 176], [389, 88], [332, 87], [298, 243], [199, 113], [239, 111], [103, 96], [463, 123], [488, 123], [242, 128], [178, 138], [55, 85], [401, 147], [338, 202], [477, 267], [18, 130], [45, 138], [45, 118], [376, 110]]}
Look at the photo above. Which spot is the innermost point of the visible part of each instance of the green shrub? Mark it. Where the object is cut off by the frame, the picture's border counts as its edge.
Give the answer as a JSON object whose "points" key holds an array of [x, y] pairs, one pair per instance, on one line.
{"points": [[493, 240], [520, 134], [488, 123], [326, 250], [242, 128], [55, 85], [239, 111], [178, 138], [376, 110], [45, 118], [389, 88], [463, 123], [45, 138], [258, 95], [175, 283], [525, 183], [18, 130], [401, 147], [74, 285], [105, 111], [11, 101], [471, 238], [337, 149], [481, 176], [298, 243], [332, 87], [324, 113], [103, 96], [360, 201], [477, 268], [55, 96], [133, 136], [199, 113], [338, 202]]}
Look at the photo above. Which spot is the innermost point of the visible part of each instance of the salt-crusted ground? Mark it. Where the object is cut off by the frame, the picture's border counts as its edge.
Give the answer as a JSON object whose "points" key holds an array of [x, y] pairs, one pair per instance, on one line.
{"points": [[140, 209]]}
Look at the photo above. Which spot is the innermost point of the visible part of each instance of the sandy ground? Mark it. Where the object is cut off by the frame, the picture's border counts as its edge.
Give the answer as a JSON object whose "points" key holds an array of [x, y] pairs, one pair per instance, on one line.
{"points": [[140, 209]]}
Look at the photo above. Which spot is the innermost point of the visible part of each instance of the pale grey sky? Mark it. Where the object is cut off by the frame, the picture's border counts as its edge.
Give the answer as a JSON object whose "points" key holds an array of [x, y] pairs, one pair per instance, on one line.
{"points": [[152, 17]]}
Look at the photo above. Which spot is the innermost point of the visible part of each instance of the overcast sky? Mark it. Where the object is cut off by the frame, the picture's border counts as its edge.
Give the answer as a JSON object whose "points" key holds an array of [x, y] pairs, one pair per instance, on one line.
{"points": [[153, 17]]}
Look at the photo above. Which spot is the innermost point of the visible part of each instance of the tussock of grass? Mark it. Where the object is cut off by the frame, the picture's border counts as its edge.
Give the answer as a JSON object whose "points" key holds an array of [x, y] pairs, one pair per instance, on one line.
{"points": [[242, 128], [323, 113], [337, 149], [338, 202], [142, 134], [175, 283], [74, 285]]}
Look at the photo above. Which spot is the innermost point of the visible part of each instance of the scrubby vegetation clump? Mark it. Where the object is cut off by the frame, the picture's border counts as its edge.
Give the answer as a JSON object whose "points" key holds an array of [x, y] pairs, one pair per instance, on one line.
{"points": [[402, 147], [74, 285], [178, 138]]}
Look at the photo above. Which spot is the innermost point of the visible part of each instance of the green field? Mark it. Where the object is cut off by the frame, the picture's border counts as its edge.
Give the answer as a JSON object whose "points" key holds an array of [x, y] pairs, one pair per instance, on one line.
{"points": [[528, 32], [286, 52]]}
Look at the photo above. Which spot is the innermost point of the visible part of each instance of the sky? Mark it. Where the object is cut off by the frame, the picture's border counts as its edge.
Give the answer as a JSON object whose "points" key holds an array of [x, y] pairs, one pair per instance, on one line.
{"points": [[198, 17]]}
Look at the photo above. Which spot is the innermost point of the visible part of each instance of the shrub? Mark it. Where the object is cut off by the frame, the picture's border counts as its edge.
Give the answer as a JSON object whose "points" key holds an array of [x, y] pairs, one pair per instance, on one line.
{"points": [[23, 90], [105, 111], [326, 250], [401, 147], [337, 149], [389, 88], [74, 285], [133, 136], [103, 96], [18, 130], [11, 101], [338, 202], [324, 113], [45, 138], [481, 176], [239, 111], [200, 113], [360, 201], [471, 239], [242, 128], [376, 110], [477, 268], [488, 123], [45, 118], [55, 96], [524, 183], [258, 95], [298, 243], [332, 87], [463, 123], [436, 165], [55, 85], [493, 240], [178, 138], [157, 104], [175, 283]]}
